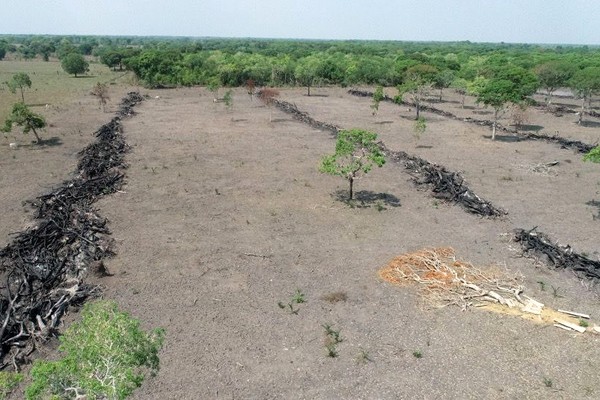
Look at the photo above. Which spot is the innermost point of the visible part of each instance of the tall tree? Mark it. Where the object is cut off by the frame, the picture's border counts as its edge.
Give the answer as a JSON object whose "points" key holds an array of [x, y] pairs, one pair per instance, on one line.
{"points": [[585, 83], [74, 63], [509, 85], [418, 81], [553, 75], [307, 71], [19, 81]]}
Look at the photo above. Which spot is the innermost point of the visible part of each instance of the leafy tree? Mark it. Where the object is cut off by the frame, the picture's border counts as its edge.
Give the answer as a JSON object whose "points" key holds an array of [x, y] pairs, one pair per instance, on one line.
{"points": [[105, 356], [512, 85], [307, 71], [420, 127], [355, 152], [2, 50], [377, 97], [74, 63], [19, 81], [418, 81], [460, 85], [21, 115], [553, 75], [100, 91], [585, 83], [228, 99], [443, 80]]}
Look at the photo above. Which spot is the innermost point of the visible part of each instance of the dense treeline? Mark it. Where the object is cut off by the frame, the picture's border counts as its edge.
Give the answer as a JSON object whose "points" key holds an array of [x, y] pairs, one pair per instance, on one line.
{"points": [[468, 67]]}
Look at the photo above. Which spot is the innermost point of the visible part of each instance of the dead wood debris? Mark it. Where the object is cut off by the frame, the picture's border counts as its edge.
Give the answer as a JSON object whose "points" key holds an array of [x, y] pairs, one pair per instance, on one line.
{"points": [[537, 243], [446, 185], [562, 142], [43, 268]]}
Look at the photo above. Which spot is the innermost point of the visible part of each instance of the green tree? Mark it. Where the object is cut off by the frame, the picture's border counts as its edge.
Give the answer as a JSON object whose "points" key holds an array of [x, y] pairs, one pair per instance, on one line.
{"points": [[553, 75], [355, 152], [585, 83], [512, 85], [418, 82], [377, 97], [19, 81], [21, 115], [461, 86], [74, 63], [307, 71], [106, 356], [3, 49], [443, 80]]}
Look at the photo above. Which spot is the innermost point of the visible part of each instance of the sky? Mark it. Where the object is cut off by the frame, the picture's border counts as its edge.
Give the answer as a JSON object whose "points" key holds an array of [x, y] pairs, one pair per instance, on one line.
{"points": [[510, 21]]}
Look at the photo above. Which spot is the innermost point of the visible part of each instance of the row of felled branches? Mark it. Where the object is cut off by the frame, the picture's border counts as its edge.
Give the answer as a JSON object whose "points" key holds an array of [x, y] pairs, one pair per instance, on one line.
{"points": [[539, 244], [562, 142], [446, 185], [44, 266]]}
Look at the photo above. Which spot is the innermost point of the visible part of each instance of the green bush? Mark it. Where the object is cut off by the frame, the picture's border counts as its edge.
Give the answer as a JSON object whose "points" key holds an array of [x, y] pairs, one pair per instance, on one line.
{"points": [[106, 356]]}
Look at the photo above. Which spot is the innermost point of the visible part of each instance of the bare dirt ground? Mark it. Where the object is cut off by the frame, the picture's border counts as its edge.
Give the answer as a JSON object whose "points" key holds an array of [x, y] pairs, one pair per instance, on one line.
{"points": [[225, 215]]}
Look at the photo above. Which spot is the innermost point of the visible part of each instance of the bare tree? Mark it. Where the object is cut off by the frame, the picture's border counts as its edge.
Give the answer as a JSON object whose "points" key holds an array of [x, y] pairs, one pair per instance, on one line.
{"points": [[101, 92]]}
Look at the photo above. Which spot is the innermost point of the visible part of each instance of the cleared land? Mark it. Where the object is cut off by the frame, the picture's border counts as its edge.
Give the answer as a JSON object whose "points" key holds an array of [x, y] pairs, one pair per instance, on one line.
{"points": [[225, 215]]}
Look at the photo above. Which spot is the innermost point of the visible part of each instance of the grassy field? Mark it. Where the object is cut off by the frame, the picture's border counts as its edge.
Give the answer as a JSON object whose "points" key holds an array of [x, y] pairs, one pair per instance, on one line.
{"points": [[50, 84]]}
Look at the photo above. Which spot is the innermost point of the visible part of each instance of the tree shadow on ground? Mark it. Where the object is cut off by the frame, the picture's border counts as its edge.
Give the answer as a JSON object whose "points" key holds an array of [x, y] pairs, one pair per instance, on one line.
{"points": [[50, 142], [367, 199], [317, 95], [481, 112], [383, 122], [590, 124], [530, 128], [595, 203], [505, 138]]}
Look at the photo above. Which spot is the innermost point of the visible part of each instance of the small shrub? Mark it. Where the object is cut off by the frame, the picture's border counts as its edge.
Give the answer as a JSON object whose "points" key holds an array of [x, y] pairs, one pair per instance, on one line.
{"points": [[418, 354], [106, 355]]}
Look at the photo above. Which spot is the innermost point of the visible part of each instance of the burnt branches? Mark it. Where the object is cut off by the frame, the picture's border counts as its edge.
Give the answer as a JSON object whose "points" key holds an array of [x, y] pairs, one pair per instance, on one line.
{"points": [[446, 185], [43, 268], [538, 243]]}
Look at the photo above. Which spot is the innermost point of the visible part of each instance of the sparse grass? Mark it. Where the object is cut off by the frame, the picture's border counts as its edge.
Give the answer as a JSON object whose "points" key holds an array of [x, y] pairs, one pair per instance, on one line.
{"points": [[50, 84], [418, 354], [363, 357], [8, 381], [548, 382], [298, 298], [332, 338], [583, 323], [542, 285], [555, 292], [335, 297]]}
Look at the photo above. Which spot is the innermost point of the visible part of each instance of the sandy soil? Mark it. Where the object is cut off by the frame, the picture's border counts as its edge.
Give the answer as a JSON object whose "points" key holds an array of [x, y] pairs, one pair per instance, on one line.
{"points": [[225, 215]]}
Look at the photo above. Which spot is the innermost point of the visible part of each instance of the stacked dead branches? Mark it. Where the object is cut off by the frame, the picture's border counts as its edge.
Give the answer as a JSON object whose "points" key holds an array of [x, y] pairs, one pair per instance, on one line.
{"points": [[445, 185], [562, 142], [538, 244], [443, 280], [303, 117], [44, 267]]}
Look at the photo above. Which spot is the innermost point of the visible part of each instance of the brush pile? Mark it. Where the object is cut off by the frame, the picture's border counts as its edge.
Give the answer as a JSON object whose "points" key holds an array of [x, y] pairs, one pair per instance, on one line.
{"points": [[43, 268], [538, 244]]}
